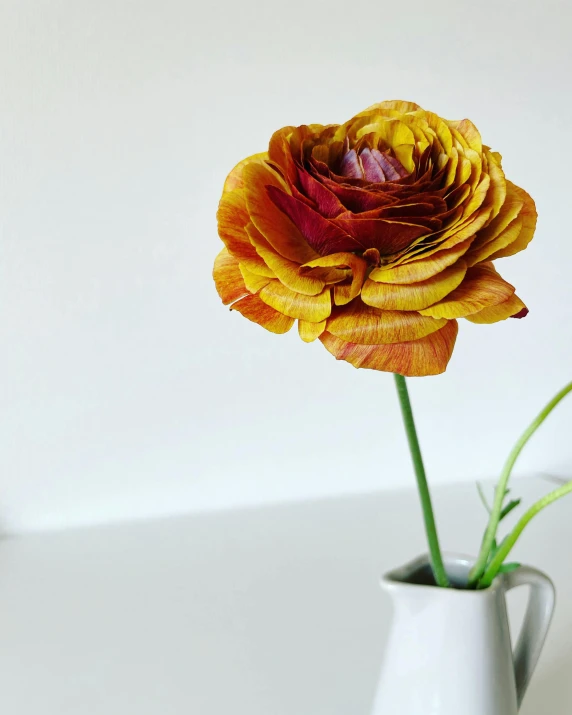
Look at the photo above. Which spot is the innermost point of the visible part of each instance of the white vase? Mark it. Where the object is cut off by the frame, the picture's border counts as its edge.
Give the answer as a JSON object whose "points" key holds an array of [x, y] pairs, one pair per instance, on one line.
{"points": [[449, 650]]}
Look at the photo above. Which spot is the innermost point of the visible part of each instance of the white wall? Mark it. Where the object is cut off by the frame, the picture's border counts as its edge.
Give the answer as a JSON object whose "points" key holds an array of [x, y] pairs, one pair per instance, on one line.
{"points": [[126, 388]]}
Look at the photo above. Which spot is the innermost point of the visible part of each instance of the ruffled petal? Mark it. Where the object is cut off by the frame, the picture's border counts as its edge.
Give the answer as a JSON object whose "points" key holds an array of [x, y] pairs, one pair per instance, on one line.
{"points": [[478, 197], [259, 312], [469, 132], [252, 281], [482, 288], [280, 153], [313, 308], [287, 272], [343, 293], [398, 105], [272, 223], [417, 358], [509, 212], [414, 296], [320, 233], [310, 331], [228, 278], [498, 187], [508, 309], [235, 179], [233, 218], [326, 201], [457, 234], [387, 236], [422, 267], [361, 324], [504, 239], [529, 217]]}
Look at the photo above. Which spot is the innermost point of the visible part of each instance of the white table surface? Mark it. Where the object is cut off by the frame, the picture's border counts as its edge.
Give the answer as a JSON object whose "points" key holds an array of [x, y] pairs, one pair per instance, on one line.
{"points": [[270, 611]]}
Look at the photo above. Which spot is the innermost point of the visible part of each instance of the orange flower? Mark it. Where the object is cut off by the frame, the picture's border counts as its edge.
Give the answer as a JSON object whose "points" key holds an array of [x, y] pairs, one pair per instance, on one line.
{"points": [[375, 235]]}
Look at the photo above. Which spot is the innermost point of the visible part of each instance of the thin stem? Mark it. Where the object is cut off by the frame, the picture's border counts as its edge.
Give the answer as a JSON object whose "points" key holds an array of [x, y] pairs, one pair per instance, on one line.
{"points": [[512, 538], [483, 497], [500, 491], [424, 494]]}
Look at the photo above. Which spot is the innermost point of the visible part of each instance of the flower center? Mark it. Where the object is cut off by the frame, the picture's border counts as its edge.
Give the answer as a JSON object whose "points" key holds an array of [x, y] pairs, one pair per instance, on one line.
{"points": [[371, 165]]}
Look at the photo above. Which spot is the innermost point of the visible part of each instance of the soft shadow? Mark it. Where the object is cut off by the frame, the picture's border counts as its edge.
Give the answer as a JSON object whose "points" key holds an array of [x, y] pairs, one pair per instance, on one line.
{"points": [[4, 532], [550, 691]]}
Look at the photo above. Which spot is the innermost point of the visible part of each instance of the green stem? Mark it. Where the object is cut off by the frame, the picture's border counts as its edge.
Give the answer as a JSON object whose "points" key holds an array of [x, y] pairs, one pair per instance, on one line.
{"points": [[512, 538], [430, 526], [500, 492]]}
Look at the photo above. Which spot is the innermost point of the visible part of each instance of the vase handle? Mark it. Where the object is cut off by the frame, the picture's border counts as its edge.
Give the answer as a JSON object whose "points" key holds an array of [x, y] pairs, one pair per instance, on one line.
{"points": [[536, 623]]}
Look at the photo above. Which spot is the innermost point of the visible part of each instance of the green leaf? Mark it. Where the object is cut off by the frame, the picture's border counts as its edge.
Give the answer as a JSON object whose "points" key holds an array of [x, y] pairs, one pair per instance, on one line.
{"points": [[509, 507], [495, 548], [507, 568]]}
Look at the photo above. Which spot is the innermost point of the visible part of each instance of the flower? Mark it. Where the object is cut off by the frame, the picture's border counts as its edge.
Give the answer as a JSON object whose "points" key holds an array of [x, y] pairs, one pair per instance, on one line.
{"points": [[375, 235]]}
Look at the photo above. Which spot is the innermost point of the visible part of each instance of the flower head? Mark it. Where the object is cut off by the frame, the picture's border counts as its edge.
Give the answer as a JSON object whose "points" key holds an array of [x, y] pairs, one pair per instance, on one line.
{"points": [[375, 235]]}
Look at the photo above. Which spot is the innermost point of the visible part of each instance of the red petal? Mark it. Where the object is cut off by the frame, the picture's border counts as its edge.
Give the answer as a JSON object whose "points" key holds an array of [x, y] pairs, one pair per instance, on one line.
{"points": [[387, 236], [327, 202], [320, 233]]}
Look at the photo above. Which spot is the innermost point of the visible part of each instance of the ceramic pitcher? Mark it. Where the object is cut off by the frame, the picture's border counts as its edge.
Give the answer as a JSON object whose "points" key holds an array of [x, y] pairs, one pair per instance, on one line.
{"points": [[449, 650]]}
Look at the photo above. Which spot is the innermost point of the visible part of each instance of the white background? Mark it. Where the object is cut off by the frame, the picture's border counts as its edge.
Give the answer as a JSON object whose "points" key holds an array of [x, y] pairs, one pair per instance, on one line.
{"points": [[126, 388]]}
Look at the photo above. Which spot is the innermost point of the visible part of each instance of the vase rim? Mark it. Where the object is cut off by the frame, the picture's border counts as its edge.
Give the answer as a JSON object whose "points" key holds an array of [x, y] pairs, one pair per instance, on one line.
{"points": [[456, 565]]}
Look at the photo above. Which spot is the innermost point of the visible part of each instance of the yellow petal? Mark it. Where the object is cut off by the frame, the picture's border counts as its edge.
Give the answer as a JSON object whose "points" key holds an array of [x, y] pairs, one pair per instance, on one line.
{"points": [[464, 169], [361, 324], [343, 294], [388, 296], [274, 225], [234, 180], [482, 288], [252, 281], [505, 238], [476, 167], [422, 267], [469, 132], [457, 201], [254, 309], [404, 154], [441, 130], [280, 153], [228, 279], [417, 358], [313, 308], [498, 183], [395, 134], [451, 167], [233, 218], [510, 209], [529, 216], [478, 197], [457, 234], [446, 239], [310, 331], [495, 313], [399, 104], [287, 272]]}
